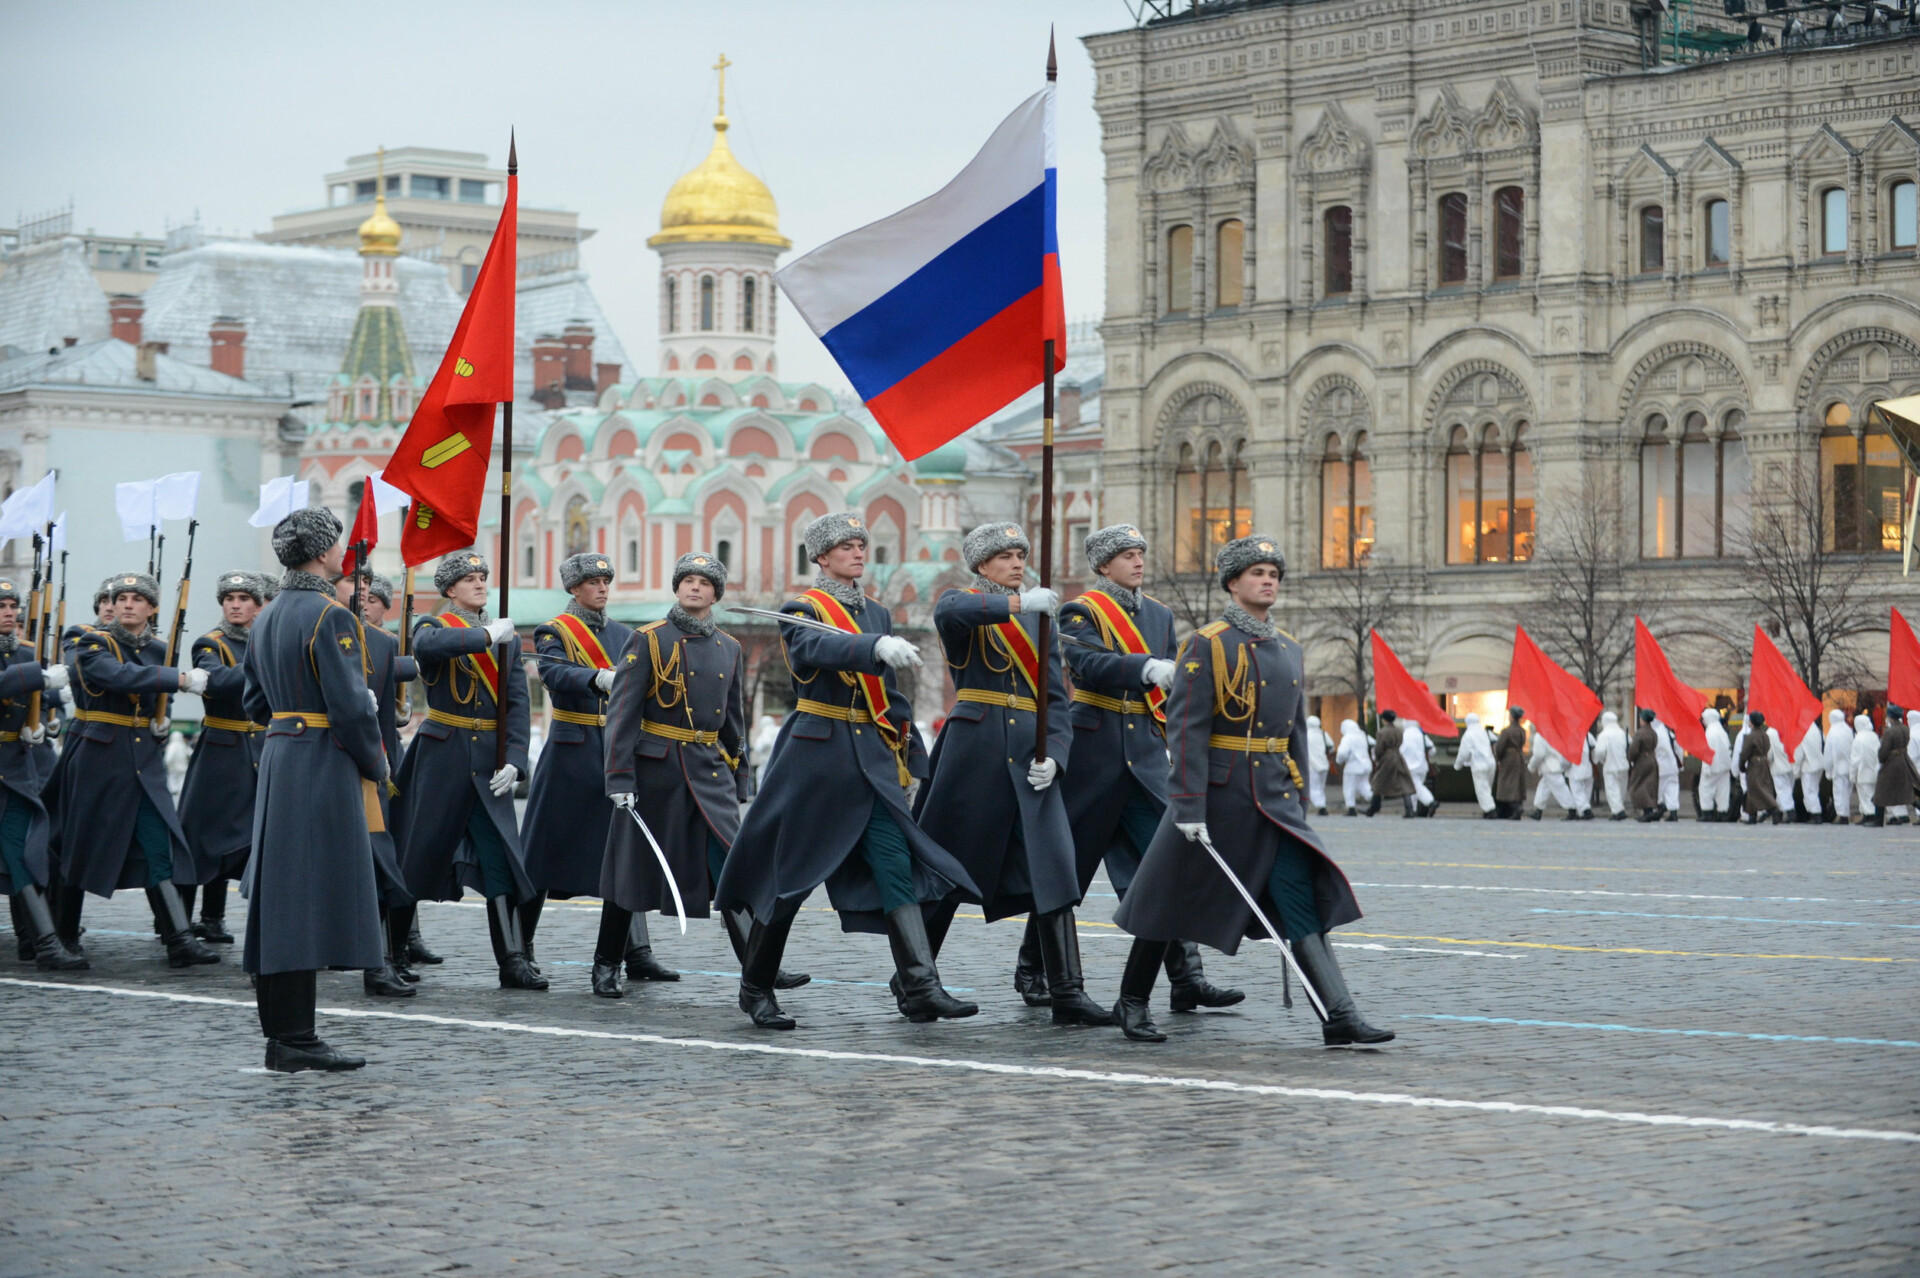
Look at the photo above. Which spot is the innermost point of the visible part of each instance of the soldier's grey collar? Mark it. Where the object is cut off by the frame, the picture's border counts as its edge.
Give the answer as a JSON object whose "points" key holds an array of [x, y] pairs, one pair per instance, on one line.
{"points": [[8, 642], [231, 631], [848, 593], [472, 616], [294, 579], [126, 638], [1240, 619], [688, 622], [593, 617], [1129, 598], [991, 587]]}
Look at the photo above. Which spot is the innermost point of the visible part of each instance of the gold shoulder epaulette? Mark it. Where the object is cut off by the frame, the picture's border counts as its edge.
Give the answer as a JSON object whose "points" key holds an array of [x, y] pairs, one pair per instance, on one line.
{"points": [[1212, 629], [651, 625], [1296, 641]]}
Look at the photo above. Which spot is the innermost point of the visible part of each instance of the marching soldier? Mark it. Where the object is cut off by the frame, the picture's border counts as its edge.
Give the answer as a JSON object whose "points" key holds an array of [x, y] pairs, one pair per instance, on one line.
{"points": [[120, 829], [309, 885], [455, 822], [567, 813], [1237, 730], [66, 899], [1116, 790], [833, 802], [386, 671], [24, 862], [216, 801], [988, 799]]}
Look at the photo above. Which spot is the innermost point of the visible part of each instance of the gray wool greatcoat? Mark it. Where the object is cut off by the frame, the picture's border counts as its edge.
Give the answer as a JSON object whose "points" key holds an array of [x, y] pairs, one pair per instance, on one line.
{"points": [[1510, 764], [1756, 774], [568, 816], [821, 782], [448, 767], [311, 898], [1014, 841], [1180, 891], [1643, 768], [216, 801], [53, 782], [388, 671], [109, 765], [685, 790], [21, 772], [1116, 753], [1894, 787], [1391, 777]]}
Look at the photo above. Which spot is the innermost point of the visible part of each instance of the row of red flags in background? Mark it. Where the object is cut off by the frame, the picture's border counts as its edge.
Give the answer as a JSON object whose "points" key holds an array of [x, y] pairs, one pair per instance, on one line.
{"points": [[1563, 709]]}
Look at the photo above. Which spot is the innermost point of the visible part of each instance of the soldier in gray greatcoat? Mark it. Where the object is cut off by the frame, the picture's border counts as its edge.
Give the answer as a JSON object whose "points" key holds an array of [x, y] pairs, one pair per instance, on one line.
{"points": [[834, 797], [568, 816], [311, 898], [454, 821], [1116, 790], [676, 741], [1237, 728], [25, 868], [216, 801], [386, 671], [119, 828], [988, 799], [66, 899]]}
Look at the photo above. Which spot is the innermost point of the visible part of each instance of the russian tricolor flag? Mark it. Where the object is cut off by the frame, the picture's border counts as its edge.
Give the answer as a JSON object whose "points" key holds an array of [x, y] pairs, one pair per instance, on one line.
{"points": [[938, 313]]}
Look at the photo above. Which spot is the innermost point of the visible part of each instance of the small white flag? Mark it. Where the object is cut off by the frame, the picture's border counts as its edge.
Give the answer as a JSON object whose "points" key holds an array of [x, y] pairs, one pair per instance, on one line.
{"points": [[28, 510], [279, 498], [134, 503], [60, 533], [176, 496], [387, 498]]}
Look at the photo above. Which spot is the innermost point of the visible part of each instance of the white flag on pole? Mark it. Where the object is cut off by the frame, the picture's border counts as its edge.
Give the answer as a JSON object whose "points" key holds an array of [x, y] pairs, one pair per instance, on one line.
{"points": [[133, 501], [60, 533], [176, 496], [279, 498], [28, 510], [387, 498]]}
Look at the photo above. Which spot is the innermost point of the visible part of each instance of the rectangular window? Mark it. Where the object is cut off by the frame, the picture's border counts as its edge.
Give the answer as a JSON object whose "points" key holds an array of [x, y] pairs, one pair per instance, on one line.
{"points": [[1363, 537], [1840, 482], [1719, 233], [1496, 519], [1230, 265], [1653, 240], [1179, 270], [1698, 533], [1336, 515], [526, 562], [633, 556], [1462, 499], [363, 190], [1886, 519], [1510, 231], [423, 187], [1903, 220], [1453, 238], [1339, 249], [1657, 514], [1833, 221], [469, 272], [472, 192]]}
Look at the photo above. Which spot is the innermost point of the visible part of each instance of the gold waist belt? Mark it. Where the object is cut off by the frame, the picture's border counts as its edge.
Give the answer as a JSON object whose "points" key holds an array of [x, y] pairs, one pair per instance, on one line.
{"points": [[580, 717], [1008, 700], [1250, 745], [1119, 705], [231, 725], [8, 738], [463, 721], [672, 732], [103, 716], [844, 714], [312, 718]]}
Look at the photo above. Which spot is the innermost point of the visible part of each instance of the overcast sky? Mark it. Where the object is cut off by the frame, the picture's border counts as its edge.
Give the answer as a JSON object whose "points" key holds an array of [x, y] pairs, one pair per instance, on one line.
{"points": [[848, 109]]}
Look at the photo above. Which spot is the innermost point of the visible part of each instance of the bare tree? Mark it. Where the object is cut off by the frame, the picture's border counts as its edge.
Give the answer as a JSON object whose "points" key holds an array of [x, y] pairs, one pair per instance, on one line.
{"points": [[1195, 598], [1353, 604], [1813, 598], [1581, 609]]}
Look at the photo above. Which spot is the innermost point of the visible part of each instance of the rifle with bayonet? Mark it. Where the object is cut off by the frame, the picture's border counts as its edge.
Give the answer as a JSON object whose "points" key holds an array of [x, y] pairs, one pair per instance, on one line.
{"points": [[179, 615]]}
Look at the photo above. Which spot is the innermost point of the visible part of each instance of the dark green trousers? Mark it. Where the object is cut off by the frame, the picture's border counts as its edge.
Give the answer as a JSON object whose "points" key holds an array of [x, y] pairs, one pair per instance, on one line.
{"points": [[15, 822], [153, 842], [1290, 885], [496, 874], [884, 848]]}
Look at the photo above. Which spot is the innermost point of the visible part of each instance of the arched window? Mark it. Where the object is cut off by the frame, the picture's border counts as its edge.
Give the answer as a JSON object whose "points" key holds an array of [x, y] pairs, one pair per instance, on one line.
{"points": [[1862, 482], [633, 553], [1692, 488], [366, 400], [1658, 516], [1833, 221], [724, 550], [1901, 223], [1490, 499], [1180, 270], [802, 566], [1509, 233], [673, 305], [706, 303], [1720, 233], [748, 295], [1229, 265], [1213, 504], [1338, 222], [1346, 505], [1453, 238], [1653, 240], [579, 531]]}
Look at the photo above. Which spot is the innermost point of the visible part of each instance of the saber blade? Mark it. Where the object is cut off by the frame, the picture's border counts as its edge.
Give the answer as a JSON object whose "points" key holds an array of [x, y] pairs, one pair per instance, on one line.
{"points": [[805, 622], [679, 905], [1273, 933]]}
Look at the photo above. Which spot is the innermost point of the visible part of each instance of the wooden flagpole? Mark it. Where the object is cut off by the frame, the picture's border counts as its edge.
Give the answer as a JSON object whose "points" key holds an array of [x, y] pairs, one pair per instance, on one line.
{"points": [[512, 643], [1045, 628]]}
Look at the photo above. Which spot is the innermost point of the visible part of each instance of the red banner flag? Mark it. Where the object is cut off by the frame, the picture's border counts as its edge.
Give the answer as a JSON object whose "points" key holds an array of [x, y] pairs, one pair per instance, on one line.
{"points": [[1903, 664], [1561, 707], [366, 527], [1658, 689], [442, 459], [1410, 698], [1778, 693]]}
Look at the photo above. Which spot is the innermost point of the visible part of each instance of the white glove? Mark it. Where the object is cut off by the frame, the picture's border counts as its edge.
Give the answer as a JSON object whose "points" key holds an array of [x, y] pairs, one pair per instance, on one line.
{"points": [[896, 652], [497, 631], [622, 800], [160, 727], [504, 779], [1041, 774], [34, 735], [603, 680], [65, 695], [196, 681], [373, 701], [1194, 830], [1159, 672], [55, 678], [1040, 599]]}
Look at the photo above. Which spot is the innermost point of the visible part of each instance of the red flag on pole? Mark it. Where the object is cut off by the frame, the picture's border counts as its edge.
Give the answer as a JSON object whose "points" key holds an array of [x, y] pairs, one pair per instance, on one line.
{"points": [[1903, 663], [366, 527], [442, 459], [1780, 694], [1657, 688], [1410, 698], [1561, 707]]}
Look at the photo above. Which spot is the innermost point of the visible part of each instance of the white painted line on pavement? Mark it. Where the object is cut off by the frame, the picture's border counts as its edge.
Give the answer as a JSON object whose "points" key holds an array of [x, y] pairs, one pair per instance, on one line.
{"points": [[1054, 1072], [1667, 896]]}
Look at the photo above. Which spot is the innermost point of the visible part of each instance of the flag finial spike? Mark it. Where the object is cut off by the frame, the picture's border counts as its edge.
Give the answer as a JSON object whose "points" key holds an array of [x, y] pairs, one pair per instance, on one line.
{"points": [[1053, 62], [513, 152]]}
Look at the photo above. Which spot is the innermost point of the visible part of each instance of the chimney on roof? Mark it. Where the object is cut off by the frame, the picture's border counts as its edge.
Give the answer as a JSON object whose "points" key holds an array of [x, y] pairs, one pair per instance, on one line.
{"points": [[605, 375], [144, 360], [229, 337], [578, 340], [126, 310], [69, 341], [1066, 406], [549, 369]]}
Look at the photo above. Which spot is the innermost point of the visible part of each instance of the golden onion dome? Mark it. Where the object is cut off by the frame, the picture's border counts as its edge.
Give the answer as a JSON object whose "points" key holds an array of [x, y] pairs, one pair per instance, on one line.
{"points": [[720, 200], [380, 234]]}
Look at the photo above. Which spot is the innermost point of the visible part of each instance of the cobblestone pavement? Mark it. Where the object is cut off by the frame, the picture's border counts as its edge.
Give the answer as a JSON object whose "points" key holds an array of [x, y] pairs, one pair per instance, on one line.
{"points": [[1685, 1049]]}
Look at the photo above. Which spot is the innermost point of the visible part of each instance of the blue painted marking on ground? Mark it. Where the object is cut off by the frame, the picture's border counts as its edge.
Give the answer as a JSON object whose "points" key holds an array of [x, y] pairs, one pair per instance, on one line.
{"points": [[1684, 1033], [1731, 918]]}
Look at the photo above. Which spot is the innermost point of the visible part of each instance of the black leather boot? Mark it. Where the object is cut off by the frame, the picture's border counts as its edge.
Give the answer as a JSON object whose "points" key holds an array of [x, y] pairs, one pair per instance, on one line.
{"points": [[1133, 1012], [67, 902], [417, 951], [49, 953], [1191, 988], [286, 1000], [398, 919], [386, 981], [1344, 1026], [1060, 951], [22, 932], [917, 986], [764, 946], [1373, 804], [503, 922], [739, 928], [641, 965], [212, 927], [616, 926], [1029, 971], [529, 924], [170, 920]]}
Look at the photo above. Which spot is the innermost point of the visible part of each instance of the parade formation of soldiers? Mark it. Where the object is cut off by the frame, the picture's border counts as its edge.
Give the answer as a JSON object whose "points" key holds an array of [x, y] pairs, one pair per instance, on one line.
{"points": [[1187, 770]]}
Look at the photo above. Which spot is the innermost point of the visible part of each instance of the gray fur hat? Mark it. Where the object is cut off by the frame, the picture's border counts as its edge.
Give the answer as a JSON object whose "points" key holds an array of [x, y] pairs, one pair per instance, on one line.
{"points": [[457, 565], [698, 563], [1236, 557], [269, 585], [1102, 546], [137, 582], [828, 531], [988, 540], [305, 534], [9, 589], [103, 593], [239, 583], [585, 566], [380, 588]]}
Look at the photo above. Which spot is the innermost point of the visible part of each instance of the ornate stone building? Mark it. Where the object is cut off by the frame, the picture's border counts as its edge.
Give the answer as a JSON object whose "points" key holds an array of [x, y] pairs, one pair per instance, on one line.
{"points": [[1402, 281]]}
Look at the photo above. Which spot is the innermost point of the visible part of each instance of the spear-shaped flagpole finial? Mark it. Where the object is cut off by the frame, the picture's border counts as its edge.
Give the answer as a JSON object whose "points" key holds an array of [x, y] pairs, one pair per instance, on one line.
{"points": [[1053, 62], [513, 152]]}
